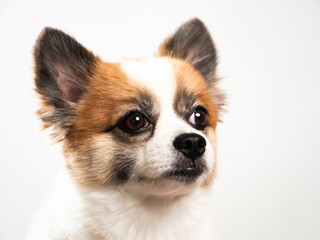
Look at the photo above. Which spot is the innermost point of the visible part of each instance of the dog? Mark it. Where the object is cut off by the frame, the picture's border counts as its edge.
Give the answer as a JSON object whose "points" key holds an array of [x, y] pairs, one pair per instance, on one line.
{"points": [[138, 136]]}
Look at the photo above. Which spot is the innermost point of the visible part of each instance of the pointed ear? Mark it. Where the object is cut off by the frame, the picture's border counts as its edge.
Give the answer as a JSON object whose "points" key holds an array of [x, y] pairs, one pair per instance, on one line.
{"points": [[63, 68], [192, 43]]}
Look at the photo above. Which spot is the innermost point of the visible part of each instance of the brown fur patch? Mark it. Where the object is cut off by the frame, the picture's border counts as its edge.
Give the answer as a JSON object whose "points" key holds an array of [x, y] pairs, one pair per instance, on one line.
{"points": [[109, 96], [192, 90]]}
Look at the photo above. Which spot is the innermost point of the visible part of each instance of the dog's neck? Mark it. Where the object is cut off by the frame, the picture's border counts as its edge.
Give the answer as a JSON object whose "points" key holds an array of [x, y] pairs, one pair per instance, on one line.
{"points": [[116, 214]]}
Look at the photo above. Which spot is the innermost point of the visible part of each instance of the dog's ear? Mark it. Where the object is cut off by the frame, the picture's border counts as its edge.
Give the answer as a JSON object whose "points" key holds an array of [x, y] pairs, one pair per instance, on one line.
{"points": [[192, 43], [63, 68]]}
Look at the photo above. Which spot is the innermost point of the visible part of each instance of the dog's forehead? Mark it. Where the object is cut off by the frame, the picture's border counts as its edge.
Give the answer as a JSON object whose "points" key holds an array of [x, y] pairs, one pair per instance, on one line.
{"points": [[176, 85], [160, 77], [156, 74]]}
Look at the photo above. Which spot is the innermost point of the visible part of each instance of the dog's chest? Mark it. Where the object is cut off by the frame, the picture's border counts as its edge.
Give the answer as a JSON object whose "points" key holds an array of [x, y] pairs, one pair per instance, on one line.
{"points": [[129, 219], [75, 213]]}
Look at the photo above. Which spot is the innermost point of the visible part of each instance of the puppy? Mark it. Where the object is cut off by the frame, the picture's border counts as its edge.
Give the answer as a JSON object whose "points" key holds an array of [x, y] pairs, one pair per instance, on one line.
{"points": [[139, 139]]}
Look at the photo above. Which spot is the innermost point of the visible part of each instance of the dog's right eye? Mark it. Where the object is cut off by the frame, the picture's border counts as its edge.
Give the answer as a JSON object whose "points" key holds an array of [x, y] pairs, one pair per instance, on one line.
{"points": [[199, 118], [134, 123]]}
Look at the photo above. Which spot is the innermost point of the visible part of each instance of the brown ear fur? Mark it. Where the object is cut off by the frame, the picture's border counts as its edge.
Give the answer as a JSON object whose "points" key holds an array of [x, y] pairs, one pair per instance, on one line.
{"points": [[192, 43], [63, 68]]}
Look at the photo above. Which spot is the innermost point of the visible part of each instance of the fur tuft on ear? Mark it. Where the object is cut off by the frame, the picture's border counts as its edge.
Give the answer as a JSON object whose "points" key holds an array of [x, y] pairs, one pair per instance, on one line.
{"points": [[192, 43], [63, 68]]}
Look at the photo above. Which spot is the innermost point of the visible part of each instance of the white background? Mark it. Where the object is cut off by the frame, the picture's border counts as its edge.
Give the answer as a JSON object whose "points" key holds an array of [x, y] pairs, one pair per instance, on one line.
{"points": [[268, 187]]}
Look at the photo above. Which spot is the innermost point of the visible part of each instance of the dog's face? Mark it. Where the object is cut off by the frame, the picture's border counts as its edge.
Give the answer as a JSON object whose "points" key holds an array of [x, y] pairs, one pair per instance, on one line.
{"points": [[145, 126]]}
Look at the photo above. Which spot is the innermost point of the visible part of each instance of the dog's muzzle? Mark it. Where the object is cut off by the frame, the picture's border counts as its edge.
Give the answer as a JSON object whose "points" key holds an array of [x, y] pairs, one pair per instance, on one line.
{"points": [[190, 165]]}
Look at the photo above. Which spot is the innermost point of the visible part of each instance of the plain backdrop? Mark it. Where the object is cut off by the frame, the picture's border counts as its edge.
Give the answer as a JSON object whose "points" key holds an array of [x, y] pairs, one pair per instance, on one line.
{"points": [[268, 184]]}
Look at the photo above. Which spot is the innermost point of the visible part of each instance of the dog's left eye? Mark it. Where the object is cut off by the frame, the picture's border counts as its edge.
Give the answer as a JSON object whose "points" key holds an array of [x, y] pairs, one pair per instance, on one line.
{"points": [[134, 123], [199, 118]]}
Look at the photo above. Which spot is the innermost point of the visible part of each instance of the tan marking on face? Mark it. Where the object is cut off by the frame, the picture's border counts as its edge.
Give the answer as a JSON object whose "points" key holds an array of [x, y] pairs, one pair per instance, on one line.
{"points": [[109, 96], [191, 86]]}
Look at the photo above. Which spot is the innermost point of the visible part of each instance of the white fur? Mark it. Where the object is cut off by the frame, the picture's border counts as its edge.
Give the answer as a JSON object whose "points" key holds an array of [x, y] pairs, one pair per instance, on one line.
{"points": [[78, 213], [164, 210]]}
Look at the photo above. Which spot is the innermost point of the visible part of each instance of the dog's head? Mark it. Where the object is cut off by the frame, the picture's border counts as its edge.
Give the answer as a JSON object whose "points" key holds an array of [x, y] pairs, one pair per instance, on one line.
{"points": [[142, 125]]}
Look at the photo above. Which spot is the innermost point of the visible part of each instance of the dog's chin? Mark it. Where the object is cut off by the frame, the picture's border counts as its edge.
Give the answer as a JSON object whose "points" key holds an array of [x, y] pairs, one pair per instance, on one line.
{"points": [[172, 183]]}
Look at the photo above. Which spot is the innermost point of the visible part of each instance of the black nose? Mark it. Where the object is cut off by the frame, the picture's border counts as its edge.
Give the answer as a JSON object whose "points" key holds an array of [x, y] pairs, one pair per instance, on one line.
{"points": [[192, 145]]}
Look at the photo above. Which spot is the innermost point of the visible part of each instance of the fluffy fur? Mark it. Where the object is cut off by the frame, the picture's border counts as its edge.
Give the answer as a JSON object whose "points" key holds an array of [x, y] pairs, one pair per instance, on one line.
{"points": [[138, 138]]}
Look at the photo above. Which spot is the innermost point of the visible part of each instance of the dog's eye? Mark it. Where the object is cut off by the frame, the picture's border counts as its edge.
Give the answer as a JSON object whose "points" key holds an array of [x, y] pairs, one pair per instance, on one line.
{"points": [[134, 122], [199, 118]]}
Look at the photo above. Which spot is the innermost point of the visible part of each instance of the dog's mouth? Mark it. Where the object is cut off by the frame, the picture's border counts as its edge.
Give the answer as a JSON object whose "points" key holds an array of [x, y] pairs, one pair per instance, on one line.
{"points": [[186, 175], [184, 171]]}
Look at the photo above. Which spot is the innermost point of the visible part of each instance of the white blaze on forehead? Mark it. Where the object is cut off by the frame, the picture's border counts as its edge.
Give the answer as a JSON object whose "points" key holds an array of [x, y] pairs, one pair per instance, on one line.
{"points": [[156, 74]]}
